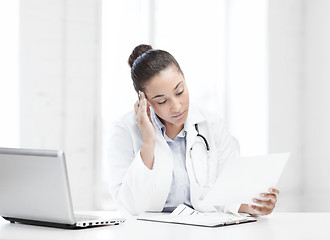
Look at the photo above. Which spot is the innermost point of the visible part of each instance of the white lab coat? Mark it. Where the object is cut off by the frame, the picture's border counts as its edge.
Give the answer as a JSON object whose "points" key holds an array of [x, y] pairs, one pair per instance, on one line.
{"points": [[136, 189]]}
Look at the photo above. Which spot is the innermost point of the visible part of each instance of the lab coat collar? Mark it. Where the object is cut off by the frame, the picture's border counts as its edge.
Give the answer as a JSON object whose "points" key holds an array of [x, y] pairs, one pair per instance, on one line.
{"points": [[194, 116], [155, 119]]}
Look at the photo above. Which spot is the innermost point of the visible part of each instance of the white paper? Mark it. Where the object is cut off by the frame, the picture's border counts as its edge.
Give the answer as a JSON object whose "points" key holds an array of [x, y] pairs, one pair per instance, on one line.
{"points": [[184, 210], [244, 178], [186, 215]]}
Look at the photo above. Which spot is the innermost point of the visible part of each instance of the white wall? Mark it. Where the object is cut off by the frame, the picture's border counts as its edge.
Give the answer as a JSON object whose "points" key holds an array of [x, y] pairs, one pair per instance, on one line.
{"points": [[246, 68], [299, 63], [286, 53], [59, 85], [60, 98], [9, 91], [316, 104]]}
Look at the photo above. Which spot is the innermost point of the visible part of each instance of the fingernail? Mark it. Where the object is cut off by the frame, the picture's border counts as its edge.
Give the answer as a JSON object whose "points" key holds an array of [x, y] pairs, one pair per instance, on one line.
{"points": [[254, 200], [262, 195], [271, 189]]}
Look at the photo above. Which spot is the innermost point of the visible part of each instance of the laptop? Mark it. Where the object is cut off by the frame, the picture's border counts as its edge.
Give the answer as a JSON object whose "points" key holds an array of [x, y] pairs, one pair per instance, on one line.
{"points": [[34, 189]]}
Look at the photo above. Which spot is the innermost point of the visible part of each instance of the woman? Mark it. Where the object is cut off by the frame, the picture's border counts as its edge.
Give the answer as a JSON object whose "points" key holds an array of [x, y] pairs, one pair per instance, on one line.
{"points": [[153, 166]]}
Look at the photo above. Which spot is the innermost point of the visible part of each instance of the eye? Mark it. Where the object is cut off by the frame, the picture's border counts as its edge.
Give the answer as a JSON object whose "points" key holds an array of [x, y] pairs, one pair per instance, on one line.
{"points": [[180, 92], [162, 102]]}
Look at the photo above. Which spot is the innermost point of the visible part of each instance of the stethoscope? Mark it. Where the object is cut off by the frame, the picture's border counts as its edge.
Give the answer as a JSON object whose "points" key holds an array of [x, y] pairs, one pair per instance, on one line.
{"points": [[207, 147]]}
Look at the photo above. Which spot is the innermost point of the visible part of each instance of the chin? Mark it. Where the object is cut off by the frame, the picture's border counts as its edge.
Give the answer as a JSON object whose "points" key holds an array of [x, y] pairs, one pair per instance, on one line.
{"points": [[181, 121]]}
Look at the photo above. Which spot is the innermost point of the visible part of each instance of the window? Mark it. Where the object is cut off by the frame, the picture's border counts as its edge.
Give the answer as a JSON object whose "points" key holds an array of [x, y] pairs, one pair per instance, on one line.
{"points": [[9, 91]]}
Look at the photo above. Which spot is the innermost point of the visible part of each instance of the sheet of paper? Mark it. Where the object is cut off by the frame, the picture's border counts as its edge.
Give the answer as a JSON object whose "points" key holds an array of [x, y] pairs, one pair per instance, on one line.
{"points": [[244, 178], [186, 215], [184, 210]]}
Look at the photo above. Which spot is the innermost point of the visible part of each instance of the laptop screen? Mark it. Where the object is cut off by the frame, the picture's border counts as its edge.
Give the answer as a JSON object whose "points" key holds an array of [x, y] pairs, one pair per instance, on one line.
{"points": [[34, 185]]}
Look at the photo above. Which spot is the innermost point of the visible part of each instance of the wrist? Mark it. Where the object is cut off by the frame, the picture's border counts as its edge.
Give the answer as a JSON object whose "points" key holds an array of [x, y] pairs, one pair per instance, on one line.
{"points": [[147, 154]]}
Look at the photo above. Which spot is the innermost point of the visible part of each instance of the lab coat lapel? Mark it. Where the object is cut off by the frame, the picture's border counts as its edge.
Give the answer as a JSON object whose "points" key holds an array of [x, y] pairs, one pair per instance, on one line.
{"points": [[196, 191], [191, 138], [194, 117], [163, 167]]}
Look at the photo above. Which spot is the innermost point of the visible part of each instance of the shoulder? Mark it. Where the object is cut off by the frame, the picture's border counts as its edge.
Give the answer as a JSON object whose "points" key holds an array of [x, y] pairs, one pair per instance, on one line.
{"points": [[128, 118], [126, 122], [200, 115]]}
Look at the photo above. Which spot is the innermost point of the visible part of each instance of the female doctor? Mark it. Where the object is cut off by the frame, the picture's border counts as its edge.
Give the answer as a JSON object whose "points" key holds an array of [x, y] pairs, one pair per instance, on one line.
{"points": [[168, 152]]}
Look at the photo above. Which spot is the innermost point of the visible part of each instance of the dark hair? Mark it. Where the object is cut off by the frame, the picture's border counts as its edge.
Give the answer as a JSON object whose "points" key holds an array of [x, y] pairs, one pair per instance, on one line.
{"points": [[146, 62]]}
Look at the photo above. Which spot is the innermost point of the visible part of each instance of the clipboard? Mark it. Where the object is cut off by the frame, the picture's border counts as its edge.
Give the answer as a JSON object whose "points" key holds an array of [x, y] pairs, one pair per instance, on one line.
{"points": [[188, 216]]}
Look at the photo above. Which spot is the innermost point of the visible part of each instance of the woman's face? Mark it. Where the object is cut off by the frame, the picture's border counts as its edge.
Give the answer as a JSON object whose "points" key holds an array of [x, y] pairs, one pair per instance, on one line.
{"points": [[168, 95]]}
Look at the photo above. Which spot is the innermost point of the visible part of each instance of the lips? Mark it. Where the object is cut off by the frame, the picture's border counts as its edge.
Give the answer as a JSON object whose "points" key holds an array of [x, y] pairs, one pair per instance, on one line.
{"points": [[179, 115]]}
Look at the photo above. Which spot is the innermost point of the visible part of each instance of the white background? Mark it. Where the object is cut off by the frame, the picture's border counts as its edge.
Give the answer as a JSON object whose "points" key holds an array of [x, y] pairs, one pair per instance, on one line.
{"points": [[270, 81]]}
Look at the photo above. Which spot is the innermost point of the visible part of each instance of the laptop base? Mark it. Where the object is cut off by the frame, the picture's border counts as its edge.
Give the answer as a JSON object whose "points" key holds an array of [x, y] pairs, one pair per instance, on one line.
{"points": [[51, 224]]}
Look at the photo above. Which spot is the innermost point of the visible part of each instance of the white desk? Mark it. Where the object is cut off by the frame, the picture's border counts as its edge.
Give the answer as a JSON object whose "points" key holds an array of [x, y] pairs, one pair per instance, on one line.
{"points": [[277, 226]]}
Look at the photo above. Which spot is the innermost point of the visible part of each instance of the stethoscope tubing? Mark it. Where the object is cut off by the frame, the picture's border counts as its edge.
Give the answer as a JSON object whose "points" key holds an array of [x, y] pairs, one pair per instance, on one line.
{"points": [[204, 139], [208, 159]]}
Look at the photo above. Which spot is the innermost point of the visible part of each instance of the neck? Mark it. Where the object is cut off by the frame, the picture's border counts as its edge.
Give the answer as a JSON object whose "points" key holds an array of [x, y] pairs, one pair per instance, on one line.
{"points": [[172, 130]]}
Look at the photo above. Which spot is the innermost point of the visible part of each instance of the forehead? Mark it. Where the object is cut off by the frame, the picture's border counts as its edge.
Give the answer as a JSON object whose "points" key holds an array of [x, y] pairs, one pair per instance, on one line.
{"points": [[164, 82]]}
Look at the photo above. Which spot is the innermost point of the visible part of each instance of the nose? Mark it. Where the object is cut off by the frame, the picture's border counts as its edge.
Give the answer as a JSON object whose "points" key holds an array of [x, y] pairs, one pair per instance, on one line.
{"points": [[176, 106]]}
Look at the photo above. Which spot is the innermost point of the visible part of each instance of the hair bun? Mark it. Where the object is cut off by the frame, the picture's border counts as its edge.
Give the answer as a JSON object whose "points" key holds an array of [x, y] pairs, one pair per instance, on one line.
{"points": [[137, 52]]}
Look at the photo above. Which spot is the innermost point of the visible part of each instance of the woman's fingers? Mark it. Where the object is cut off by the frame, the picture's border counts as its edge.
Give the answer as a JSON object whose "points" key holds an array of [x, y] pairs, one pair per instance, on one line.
{"points": [[143, 101], [140, 106], [266, 203], [143, 107], [260, 210], [265, 207], [271, 196], [136, 107], [274, 190], [148, 112], [145, 110], [143, 118]]}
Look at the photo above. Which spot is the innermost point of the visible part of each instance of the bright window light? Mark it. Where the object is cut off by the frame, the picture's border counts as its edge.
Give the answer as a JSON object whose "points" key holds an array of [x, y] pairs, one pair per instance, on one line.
{"points": [[9, 91]]}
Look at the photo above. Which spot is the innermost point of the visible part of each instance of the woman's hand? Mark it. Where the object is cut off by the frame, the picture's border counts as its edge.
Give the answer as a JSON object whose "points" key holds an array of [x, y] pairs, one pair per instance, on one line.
{"points": [[142, 115], [267, 206]]}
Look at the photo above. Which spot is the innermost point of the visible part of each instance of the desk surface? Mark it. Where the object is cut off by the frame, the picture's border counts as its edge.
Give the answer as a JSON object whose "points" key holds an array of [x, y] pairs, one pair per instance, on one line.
{"points": [[275, 226]]}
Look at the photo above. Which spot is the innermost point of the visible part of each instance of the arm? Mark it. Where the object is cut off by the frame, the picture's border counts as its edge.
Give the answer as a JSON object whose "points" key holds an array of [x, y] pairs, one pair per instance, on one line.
{"points": [[147, 129], [131, 177], [130, 181]]}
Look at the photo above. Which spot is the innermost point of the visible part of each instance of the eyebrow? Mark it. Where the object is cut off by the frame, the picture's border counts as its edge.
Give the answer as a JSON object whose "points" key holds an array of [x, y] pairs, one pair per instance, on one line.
{"points": [[162, 95]]}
